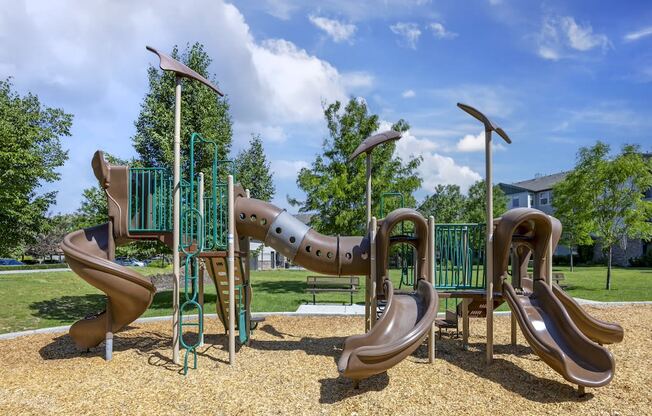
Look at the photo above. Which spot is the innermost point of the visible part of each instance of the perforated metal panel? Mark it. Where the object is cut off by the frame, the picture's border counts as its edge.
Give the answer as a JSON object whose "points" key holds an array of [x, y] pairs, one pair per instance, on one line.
{"points": [[286, 233]]}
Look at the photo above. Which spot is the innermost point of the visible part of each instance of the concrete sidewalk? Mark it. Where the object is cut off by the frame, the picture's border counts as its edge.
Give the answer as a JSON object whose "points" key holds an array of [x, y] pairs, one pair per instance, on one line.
{"points": [[23, 271], [330, 309]]}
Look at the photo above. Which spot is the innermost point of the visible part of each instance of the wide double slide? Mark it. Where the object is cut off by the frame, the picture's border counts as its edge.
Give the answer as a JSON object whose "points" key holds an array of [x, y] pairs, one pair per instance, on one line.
{"points": [[543, 318], [89, 252], [555, 338], [397, 334]]}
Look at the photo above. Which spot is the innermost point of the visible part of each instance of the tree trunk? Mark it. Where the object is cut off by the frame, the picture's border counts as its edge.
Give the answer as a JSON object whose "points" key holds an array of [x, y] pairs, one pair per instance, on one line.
{"points": [[571, 258], [609, 269]]}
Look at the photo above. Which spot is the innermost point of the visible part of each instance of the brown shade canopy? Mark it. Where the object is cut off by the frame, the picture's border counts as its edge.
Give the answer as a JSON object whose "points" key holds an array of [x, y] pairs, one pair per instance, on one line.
{"points": [[170, 64], [488, 124], [372, 141]]}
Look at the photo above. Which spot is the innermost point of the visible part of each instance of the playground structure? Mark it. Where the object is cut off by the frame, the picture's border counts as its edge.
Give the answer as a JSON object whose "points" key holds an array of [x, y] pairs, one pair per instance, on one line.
{"points": [[207, 221]]}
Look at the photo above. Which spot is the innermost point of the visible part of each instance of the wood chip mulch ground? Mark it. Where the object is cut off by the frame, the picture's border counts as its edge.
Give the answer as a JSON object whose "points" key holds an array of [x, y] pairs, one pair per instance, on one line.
{"points": [[289, 368]]}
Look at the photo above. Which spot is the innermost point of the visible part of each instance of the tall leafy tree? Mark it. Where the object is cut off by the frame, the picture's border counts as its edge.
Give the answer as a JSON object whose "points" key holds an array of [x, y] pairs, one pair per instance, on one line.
{"points": [[29, 156], [475, 207], [47, 241], [610, 192], [570, 210], [253, 170], [335, 188], [202, 111], [446, 204]]}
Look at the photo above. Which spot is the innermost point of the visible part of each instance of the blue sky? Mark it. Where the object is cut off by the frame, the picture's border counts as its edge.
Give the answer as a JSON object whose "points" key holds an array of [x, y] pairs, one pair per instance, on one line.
{"points": [[556, 75]]}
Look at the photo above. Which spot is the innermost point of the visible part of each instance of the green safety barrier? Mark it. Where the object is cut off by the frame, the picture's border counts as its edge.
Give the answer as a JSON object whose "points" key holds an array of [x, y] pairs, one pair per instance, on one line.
{"points": [[460, 256], [150, 200]]}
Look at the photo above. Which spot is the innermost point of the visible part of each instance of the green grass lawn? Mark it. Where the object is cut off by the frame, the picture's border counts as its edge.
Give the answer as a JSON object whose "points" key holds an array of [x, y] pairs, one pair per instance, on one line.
{"points": [[47, 299]]}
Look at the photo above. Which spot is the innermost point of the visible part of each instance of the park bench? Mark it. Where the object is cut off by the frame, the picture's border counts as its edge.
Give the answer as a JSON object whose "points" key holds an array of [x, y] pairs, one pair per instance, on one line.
{"points": [[556, 277], [330, 284]]}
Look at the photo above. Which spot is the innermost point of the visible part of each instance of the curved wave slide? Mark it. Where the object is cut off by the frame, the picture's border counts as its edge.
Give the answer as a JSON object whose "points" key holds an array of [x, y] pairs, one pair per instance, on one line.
{"points": [[555, 338], [396, 335], [129, 294], [596, 330]]}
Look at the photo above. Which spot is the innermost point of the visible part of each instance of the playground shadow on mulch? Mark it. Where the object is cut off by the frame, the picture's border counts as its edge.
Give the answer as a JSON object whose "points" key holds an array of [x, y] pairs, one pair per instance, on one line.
{"points": [[504, 372], [333, 390], [325, 346]]}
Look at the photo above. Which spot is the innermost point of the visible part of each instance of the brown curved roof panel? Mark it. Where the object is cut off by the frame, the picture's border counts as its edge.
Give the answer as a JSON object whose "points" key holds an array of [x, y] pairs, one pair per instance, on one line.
{"points": [[170, 64], [372, 141]]}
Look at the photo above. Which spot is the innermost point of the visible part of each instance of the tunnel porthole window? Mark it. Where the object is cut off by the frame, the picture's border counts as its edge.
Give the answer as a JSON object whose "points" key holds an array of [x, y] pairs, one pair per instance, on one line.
{"points": [[253, 218], [242, 215], [348, 256], [279, 230], [263, 221], [329, 255], [307, 249], [364, 255], [318, 253], [293, 240]]}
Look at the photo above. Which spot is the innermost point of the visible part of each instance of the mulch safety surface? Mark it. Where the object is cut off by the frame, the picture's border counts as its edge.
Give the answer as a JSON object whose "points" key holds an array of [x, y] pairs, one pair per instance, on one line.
{"points": [[289, 368]]}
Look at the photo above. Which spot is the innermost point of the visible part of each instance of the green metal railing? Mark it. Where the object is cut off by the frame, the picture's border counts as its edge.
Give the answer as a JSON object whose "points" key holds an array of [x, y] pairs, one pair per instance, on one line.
{"points": [[150, 200], [460, 256]]}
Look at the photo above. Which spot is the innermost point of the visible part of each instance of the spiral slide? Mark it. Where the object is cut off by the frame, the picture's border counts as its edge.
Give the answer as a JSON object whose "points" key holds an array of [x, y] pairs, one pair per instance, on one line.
{"points": [[89, 253]]}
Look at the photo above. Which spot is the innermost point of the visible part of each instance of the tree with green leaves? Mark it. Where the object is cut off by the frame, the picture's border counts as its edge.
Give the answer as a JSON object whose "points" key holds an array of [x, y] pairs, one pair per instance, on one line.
{"points": [[475, 206], [253, 170], [29, 156], [575, 219], [47, 241], [335, 188], [446, 204], [202, 111], [609, 192]]}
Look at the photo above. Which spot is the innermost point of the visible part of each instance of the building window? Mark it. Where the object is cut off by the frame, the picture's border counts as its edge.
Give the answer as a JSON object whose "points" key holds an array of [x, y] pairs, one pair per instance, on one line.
{"points": [[544, 198], [516, 202]]}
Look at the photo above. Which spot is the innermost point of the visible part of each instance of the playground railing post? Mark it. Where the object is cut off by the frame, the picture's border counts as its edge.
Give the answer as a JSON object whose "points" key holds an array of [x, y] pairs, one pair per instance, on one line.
{"points": [[108, 339], [176, 221], [489, 241], [230, 270], [369, 279], [431, 280], [202, 230], [373, 307]]}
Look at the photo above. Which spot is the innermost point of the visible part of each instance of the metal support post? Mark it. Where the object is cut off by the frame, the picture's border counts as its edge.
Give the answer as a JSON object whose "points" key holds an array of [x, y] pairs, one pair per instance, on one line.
{"points": [[176, 222]]}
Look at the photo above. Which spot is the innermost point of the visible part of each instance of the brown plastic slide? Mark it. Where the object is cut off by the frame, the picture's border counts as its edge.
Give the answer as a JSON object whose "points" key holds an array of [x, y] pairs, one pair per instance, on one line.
{"points": [[542, 317], [396, 335], [407, 317], [89, 253], [596, 330]]}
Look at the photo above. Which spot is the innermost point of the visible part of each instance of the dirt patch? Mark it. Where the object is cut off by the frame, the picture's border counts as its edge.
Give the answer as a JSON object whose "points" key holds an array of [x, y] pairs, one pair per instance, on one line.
{"points": [[289, 368]]}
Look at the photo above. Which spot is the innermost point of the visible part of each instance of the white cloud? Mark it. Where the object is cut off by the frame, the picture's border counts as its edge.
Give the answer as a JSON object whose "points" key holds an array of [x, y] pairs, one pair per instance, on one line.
{"points": [[90, 59], [440, 32], [435, 168], [476, 143], [338, 31], [409, 32], [357, 80], [560, 36], [287, 169], [581, 37], [408, 94], [639, 34]]}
